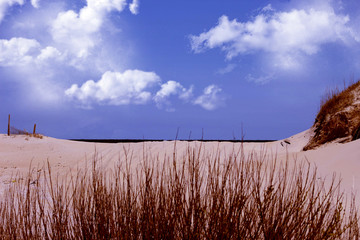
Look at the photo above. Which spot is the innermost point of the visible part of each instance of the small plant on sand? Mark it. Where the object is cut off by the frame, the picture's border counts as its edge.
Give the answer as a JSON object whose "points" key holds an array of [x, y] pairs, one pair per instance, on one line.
{"points": [[15, 131], [195, 196]]}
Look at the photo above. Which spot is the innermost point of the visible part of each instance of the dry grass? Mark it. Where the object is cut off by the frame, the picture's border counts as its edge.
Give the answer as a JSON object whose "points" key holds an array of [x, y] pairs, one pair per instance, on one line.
{"points": [[336, 100], [15, 131], [338, 117], [196, 196]]}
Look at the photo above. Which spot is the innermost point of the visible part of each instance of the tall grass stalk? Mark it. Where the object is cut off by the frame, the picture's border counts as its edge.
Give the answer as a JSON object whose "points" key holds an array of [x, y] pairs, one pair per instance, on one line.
{"points": [[195, 196]]}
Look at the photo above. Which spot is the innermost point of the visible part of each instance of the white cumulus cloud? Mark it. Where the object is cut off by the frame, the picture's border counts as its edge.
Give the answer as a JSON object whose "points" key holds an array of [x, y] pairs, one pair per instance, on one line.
{"points": [[171, 88], [26, 52], [139, 87], [35, 3], [77, 31], [134, 7], [115, 88], [284, 35], [18, 51], [49, 53], [211, 98]]}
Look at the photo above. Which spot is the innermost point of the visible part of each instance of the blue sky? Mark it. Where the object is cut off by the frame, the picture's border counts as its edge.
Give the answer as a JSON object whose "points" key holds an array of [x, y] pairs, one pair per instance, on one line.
{"points": [[143, 69]]}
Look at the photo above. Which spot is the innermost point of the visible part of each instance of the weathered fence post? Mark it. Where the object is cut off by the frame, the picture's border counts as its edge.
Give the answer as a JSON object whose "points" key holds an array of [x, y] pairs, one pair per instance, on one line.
{"points": [[34, 129], [9, 126]]}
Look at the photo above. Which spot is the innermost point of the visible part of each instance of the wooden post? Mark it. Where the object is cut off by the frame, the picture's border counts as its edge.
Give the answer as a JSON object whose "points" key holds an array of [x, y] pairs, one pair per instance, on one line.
{"points": [[34, 129], [9, 126]]}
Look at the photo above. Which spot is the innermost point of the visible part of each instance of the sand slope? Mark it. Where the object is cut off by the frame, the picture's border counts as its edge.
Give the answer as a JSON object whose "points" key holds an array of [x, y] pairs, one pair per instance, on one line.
{"points": [[18, 153]]}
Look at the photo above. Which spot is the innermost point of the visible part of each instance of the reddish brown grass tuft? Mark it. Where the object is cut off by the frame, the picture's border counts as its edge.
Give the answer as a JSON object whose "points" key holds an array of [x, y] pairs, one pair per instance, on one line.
{"points": [[338, 117], [335, 100], [197, 196]]}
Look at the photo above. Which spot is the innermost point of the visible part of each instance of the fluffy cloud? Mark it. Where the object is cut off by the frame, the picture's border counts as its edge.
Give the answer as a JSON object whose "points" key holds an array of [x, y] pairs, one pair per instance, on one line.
{"points": [[135, 87], [211, 98], [171, 88], [42, 63], [134, 7], [115, 88], [17, 51], [49, 53], [282, 34], [35, 3], [26, 52], [77, 31]]}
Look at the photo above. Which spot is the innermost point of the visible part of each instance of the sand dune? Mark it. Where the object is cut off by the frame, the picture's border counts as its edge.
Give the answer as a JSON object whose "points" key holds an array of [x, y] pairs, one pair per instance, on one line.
{"points": [[20, 153]]}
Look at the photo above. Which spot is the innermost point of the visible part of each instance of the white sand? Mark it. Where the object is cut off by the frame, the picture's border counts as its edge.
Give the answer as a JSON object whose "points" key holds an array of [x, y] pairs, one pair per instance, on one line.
{"points": [[18, 152]]}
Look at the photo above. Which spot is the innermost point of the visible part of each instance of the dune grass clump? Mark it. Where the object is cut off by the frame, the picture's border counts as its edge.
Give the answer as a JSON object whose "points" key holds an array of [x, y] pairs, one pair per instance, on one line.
{"points": [[338, 117], [194, 196], [336, 100]]}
